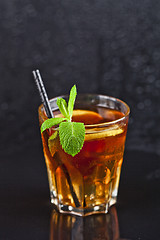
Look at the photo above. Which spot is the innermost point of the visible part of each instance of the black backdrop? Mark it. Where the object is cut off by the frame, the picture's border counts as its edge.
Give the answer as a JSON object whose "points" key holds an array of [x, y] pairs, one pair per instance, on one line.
{"points": [[107, 47]]}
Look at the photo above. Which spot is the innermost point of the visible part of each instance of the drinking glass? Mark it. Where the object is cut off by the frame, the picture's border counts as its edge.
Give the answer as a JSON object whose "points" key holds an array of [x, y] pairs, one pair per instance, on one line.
{"points": [[88, 182]]}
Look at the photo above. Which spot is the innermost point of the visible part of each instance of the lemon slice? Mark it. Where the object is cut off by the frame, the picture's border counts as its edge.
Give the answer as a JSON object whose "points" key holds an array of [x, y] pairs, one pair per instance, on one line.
{"points": [[85, 116], [97, 133], [80, 113]]}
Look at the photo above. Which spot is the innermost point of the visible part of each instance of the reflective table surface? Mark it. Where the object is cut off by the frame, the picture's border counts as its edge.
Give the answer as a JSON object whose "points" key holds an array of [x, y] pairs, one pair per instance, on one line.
{"points": [[26, 211]]}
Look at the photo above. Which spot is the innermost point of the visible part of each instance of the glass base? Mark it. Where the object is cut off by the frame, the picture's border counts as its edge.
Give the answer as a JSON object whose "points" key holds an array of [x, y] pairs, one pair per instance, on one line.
{"points": [[102, 208]]}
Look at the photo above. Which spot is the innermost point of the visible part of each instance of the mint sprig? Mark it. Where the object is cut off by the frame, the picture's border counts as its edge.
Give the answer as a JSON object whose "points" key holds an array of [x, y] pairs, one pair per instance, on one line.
{"points": [[71, 134], [50, 123]]}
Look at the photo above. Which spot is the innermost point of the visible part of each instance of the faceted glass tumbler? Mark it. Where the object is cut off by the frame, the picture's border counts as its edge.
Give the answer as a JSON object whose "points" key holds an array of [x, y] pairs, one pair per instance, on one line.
{"points": [[88, 182]]}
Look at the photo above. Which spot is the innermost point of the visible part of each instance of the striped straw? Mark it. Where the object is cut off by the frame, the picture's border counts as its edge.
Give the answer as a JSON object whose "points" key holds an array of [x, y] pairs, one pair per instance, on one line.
{"points": [[43, 94]]}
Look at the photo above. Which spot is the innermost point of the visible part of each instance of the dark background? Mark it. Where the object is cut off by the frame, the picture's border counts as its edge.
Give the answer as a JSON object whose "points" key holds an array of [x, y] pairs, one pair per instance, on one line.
{"points": [[107, 47]]}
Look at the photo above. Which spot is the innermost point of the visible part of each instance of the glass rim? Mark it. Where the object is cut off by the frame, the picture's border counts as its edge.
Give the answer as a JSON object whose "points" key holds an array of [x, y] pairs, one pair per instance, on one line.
{"points": [[99, 125]]}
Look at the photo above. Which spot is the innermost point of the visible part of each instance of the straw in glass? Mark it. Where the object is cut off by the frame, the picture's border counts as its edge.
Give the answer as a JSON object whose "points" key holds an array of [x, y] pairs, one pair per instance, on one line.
{"points": [[49, 113]]}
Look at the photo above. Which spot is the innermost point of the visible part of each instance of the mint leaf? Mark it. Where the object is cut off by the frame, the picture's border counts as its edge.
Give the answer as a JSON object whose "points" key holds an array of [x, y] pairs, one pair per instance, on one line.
{"points": [[50, 123], [71, 136], [63, 107], [71, 101], [53, 143], [53, 136]]}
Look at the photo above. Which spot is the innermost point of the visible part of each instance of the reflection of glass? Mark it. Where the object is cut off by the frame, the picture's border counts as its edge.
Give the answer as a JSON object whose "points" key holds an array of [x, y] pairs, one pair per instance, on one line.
{"points": [[94, 227], [88, 183]]}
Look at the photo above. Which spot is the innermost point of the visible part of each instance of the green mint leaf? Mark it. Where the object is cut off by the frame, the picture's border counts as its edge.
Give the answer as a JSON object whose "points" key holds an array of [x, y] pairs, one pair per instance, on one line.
{"points": [[53, 136], [71, 136], [71, 101], [50, 123], [53, 143], [63, 107]]}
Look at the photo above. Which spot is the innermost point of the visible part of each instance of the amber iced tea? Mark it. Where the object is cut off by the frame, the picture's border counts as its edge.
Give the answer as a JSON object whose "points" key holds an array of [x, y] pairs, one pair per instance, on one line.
{"points": [[93, 174]]}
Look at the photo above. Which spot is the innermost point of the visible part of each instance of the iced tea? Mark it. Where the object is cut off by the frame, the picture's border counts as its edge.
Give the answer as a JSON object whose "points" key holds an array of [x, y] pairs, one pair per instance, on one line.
{"points": [[87, 182]]}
